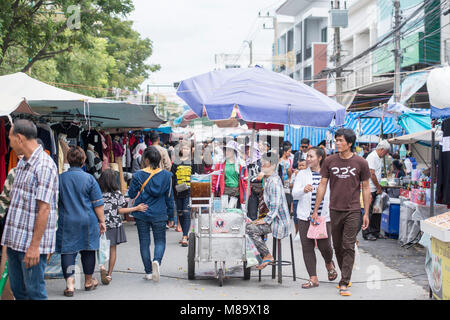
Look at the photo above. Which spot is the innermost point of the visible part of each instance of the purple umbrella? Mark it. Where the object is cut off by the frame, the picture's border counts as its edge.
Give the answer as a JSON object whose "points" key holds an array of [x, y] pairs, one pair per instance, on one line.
{"points": [[261, 96]]}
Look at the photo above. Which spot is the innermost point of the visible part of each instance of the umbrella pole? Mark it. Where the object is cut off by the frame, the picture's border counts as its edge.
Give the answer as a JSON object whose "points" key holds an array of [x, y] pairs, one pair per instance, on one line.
{"points": [[433, 173], [247, 193]]}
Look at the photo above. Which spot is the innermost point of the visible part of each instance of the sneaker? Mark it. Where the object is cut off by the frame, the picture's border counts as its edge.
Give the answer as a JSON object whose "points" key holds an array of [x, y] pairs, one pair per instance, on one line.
{"points": [[148, 277], [155, 267], [297, 237]]}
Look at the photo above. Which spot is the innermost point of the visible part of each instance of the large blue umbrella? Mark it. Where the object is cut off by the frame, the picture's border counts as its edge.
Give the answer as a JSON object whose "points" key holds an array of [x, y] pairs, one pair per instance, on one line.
{"points": [[261, 96]]}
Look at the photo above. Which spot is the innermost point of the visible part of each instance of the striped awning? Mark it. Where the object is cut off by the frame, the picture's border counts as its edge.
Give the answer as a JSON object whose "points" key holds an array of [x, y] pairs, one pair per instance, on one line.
{"points": [[295, 134], [370, 126]]}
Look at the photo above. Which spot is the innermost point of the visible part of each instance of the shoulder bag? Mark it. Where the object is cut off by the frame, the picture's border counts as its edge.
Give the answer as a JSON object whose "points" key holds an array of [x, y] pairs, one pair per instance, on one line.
{"points": [[152, 173]]}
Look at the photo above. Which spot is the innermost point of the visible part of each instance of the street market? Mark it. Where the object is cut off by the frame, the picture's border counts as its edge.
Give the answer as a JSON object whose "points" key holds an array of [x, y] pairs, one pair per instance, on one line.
{"points": [[238, 182]]}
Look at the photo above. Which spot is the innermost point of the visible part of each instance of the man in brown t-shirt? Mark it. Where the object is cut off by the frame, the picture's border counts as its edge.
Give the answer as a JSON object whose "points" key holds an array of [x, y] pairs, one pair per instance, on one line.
{"points": [[345, 171]]}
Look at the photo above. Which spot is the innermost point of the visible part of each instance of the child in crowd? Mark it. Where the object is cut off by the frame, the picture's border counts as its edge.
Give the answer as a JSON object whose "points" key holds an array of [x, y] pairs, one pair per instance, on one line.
{"points": [[114, 204]]}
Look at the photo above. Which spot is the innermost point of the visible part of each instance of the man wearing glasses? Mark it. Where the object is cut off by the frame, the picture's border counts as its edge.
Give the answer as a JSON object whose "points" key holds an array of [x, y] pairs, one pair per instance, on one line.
{"points": [[301, 154]]}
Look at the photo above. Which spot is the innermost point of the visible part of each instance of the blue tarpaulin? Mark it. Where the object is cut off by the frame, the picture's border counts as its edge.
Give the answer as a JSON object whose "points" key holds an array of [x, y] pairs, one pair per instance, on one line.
{"points": [[295, 135]]}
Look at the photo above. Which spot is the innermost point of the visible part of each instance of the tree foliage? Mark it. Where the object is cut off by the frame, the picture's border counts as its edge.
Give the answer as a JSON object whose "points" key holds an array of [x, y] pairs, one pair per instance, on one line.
{"points": [[81, 42]]}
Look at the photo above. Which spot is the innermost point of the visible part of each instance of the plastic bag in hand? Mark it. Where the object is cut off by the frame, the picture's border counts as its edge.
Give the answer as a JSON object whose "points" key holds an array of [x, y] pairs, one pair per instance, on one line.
{"points": [[103, 250]]}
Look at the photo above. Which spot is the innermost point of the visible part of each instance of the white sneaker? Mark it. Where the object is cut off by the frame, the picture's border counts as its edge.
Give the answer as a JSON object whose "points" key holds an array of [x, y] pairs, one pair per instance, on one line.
{"points": [[148, 277], [155, 267], [297, 237]]}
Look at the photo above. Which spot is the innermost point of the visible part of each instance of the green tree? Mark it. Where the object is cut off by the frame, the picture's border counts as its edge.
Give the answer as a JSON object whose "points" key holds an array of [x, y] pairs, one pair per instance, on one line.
{"points": [[130, 53], [38, 29]]}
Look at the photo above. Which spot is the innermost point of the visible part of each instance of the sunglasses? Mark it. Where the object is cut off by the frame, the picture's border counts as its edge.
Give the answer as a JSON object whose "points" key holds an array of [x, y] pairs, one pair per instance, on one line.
{"points": [[304, 147]]}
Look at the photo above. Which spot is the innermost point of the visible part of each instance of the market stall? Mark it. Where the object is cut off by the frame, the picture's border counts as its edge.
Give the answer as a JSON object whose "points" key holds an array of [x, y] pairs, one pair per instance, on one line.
{"points": [[417, 190], [436, 237], [260, 96]]}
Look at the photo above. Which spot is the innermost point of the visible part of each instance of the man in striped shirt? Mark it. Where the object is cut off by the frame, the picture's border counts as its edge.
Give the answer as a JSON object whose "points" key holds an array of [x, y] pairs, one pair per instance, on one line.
{"points": [[30, 227]]}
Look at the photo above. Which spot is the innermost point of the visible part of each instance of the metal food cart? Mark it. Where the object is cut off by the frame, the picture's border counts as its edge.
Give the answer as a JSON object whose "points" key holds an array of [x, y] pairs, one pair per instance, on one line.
{"points": [[217, 237]]}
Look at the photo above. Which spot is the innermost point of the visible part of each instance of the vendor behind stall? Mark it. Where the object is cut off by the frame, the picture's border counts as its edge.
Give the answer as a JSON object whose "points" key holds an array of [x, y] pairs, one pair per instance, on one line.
{"points": [[375, 160], [232, 175]]}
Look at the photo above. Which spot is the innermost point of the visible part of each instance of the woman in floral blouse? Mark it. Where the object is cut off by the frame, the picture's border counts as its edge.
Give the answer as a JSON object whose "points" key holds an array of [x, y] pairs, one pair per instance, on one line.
{"points": [[114, 204]]}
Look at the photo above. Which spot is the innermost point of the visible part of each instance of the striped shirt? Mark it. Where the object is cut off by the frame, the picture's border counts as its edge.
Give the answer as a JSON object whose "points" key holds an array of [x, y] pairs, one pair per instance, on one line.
{"points": [[36, 179], [315, 183]]}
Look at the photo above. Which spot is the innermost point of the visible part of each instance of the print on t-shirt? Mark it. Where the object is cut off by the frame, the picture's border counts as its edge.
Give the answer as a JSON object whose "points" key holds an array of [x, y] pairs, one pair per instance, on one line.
{"points": [[343, 172]]}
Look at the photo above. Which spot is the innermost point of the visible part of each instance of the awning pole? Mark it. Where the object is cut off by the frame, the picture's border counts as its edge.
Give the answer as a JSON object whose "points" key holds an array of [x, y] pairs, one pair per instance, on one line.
{"points": [[247, 194], [433, 173]]}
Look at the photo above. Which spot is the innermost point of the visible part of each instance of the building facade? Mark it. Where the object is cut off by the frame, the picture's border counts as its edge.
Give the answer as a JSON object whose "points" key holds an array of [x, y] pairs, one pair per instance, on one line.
{"points": [[301, 51]]}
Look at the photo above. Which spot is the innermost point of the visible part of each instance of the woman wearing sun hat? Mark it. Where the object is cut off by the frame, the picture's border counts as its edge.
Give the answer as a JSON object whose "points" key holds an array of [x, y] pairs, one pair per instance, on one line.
{"points": [[232, 175]]}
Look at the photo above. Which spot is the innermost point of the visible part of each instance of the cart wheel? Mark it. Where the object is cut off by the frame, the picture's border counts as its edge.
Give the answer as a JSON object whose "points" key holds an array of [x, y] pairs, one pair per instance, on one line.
{"points": [[191, 257], [221, 276], [247, 271]]}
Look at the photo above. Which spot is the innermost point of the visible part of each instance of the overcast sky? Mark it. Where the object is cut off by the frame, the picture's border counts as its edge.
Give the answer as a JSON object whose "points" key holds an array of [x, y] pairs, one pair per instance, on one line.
{"points": [[186, 34]]}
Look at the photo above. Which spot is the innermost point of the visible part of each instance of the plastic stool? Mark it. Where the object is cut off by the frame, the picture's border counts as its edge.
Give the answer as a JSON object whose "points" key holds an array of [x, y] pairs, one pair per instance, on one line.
{"points": [[279, 262]]}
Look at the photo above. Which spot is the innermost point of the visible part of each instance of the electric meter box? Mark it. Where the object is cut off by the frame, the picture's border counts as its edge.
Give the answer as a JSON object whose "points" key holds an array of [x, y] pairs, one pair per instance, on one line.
{"points": [[338, 18]]}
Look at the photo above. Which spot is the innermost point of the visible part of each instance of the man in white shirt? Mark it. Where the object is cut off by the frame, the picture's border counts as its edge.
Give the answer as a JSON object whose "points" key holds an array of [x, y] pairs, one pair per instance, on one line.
{"points": [[375, 160]]}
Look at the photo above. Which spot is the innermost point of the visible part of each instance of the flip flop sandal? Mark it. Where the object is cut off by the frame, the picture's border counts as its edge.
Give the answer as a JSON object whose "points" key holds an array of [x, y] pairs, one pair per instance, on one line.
{"points": [[68, 293], [345, 292], [103, 275], [348, 286], [309, 285], [92, 286], [264, 264], [332, 274], [184, 243]]}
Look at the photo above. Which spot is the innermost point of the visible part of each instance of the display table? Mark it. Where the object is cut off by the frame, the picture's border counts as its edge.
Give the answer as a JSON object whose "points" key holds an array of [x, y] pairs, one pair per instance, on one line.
{"points": [[437, 262], [410, 216]]}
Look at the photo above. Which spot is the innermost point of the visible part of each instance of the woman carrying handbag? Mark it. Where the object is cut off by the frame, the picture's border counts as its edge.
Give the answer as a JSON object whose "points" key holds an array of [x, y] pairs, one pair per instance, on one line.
{"points": [[312, 228]]}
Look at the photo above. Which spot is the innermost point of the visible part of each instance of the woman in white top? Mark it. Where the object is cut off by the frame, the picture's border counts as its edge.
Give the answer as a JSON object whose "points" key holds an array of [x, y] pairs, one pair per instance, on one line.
{"points": [[305, 189]]}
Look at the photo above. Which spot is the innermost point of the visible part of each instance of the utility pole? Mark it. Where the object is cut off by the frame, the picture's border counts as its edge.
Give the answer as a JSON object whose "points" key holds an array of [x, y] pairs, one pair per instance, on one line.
{"points": [[250, 45], [397, 51], [337, 56], [275, 33]]}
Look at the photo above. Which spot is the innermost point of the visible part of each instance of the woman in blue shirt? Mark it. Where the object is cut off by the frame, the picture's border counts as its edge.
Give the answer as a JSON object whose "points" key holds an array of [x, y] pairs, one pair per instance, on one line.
{"points": [[152, 186], [81, 220]]}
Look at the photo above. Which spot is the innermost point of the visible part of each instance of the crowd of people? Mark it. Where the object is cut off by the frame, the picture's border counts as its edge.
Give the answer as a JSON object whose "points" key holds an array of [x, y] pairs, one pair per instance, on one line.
{"points": [[46, 213]]}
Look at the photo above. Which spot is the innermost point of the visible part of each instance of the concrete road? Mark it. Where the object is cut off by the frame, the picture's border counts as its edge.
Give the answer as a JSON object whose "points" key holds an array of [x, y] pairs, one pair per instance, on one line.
{"points": [[372, 279]]}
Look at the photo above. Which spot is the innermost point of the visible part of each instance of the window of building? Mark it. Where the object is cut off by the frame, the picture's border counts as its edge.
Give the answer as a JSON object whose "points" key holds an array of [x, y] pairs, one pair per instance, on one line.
{"points": [[323, 34]]}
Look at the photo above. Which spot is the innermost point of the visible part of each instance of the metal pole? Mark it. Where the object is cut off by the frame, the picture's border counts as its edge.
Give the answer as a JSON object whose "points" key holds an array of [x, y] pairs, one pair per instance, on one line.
{"points": [[433, 173], [247, 194], [337, 59], [397, 52]]}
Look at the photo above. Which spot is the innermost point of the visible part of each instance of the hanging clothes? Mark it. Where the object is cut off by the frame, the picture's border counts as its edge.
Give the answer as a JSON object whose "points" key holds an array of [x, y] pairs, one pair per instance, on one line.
{"points": [[46, 135], [13, 160], [63, 149], [105, 162], [3, 152], [443, 173], [68, 128], [93, 137]]}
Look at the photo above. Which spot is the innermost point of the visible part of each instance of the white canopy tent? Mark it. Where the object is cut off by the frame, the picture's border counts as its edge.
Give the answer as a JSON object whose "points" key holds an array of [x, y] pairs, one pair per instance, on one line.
{"points": [[422, 136], [48, 100], [10, 104]]}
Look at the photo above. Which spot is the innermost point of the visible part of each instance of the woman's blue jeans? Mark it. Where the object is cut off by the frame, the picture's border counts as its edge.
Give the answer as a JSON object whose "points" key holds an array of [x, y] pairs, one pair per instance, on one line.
{"points": [[184, 214], [159, 236]]}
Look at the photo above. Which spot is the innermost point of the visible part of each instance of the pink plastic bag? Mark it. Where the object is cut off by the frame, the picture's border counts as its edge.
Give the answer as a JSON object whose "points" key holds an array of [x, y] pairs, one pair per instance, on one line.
{"points": [[318, 231]]}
